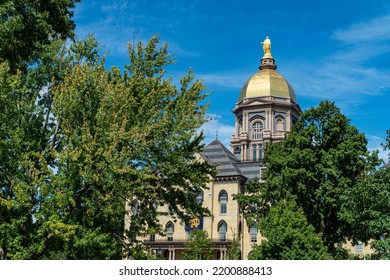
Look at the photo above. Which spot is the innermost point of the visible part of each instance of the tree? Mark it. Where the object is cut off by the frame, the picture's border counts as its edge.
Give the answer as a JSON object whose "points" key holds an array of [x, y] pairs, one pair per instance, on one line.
{"points": [[368, 210], [27, 28], [126, 137], [288, 236], [79, 143], [321, 161], [199, 247], [234, 249], [28, 137]]}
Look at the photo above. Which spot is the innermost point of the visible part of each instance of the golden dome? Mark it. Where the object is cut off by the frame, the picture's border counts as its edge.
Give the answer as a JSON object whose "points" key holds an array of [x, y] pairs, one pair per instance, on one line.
{"points": [[267, 82]]}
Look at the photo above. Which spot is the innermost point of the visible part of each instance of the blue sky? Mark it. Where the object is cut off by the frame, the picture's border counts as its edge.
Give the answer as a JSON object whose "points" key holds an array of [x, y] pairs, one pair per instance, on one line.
{"points": [[334, 50]]}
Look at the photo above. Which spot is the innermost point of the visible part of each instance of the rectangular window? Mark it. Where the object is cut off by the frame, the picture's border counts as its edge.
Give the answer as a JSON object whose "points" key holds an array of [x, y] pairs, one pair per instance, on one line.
{"points": [[260, 151], [223, 207], [253, 232], [359, 247], [254, 152]]}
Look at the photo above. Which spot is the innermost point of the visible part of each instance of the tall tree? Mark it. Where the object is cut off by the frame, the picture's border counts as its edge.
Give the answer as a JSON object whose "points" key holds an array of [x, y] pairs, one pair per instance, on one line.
{"points": [[28, 136], [125, 137], [319, 163]]}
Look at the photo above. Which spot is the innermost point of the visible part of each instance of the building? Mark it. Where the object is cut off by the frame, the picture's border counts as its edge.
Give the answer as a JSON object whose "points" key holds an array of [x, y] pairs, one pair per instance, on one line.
{"points": [[266, 109]]}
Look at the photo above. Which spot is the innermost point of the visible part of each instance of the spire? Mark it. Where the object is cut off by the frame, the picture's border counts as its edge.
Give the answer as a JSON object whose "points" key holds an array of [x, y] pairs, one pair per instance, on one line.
{"points": [[267, 61]]}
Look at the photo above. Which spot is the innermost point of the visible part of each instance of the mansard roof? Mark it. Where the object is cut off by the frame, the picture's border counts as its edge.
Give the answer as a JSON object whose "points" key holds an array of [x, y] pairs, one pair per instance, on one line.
{"points": [[227, 164]]}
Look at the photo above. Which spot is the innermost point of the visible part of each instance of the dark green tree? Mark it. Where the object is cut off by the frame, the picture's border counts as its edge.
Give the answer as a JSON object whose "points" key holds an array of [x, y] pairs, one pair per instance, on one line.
{"points": [[27, 28], [318, 165], [29, 134], [199, 247], [288, 236], [368, 210]]}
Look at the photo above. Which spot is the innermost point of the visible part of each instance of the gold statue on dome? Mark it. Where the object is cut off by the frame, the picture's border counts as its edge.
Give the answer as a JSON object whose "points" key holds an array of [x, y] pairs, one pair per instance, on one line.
{"points": [[267, 46]]}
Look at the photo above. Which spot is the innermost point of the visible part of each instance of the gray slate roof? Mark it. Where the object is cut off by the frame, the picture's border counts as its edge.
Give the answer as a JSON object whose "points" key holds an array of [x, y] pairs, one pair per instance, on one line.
{"points": [[227, 163]]}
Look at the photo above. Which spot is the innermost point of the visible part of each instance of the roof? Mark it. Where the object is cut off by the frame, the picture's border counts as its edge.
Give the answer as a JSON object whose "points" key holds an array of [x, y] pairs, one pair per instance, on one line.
{"points": [[267, 82], [227, 163], [217, 154]]}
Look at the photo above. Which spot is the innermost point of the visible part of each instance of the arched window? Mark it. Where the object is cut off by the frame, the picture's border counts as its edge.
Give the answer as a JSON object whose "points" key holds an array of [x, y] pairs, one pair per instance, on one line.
{"points": [[222, 198], [253, 233], [222, 229], [257, 130], [170, 228]]}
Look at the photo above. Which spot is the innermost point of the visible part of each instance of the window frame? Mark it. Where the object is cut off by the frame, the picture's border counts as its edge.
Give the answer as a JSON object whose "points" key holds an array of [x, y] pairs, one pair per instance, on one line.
{"points": [[222, 234], [223, 199]]}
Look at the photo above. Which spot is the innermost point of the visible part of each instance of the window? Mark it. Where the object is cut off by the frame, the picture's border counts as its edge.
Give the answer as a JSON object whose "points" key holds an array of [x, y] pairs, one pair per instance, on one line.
{"points": [[170, 228], [260, 151], [257, 130], [257, 152], [359, 247], [223, 202], [222, 228], [253, 233], [199, 197], [152, 237], [262, 170]]}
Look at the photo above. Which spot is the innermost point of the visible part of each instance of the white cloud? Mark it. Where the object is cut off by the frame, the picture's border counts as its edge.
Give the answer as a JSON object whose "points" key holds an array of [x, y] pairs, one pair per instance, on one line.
{"points": [[350, 74], [376, 29], [216, 127]]}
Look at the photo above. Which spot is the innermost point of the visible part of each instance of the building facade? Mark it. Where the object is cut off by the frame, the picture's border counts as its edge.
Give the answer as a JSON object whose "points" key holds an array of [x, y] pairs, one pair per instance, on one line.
{"points": [[267, 108]]}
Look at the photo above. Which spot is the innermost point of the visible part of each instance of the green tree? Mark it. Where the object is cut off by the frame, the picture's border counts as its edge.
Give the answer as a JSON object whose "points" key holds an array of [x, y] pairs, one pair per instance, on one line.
{"points": [[199, 247], [28, 136], [234, 249], [78, 143], [321, 161], [368, 210], [288, 236], [27, 28], [126, 137]]}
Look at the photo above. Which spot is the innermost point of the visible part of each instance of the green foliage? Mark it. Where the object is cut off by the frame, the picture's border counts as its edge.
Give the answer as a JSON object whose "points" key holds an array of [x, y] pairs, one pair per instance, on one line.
{"points": [[288, 236], [319, 165], [199, 247], [28, 26], [369, 209], [78, 143], [382, 249], [28, 137], [234, 249], [322, 159]]}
